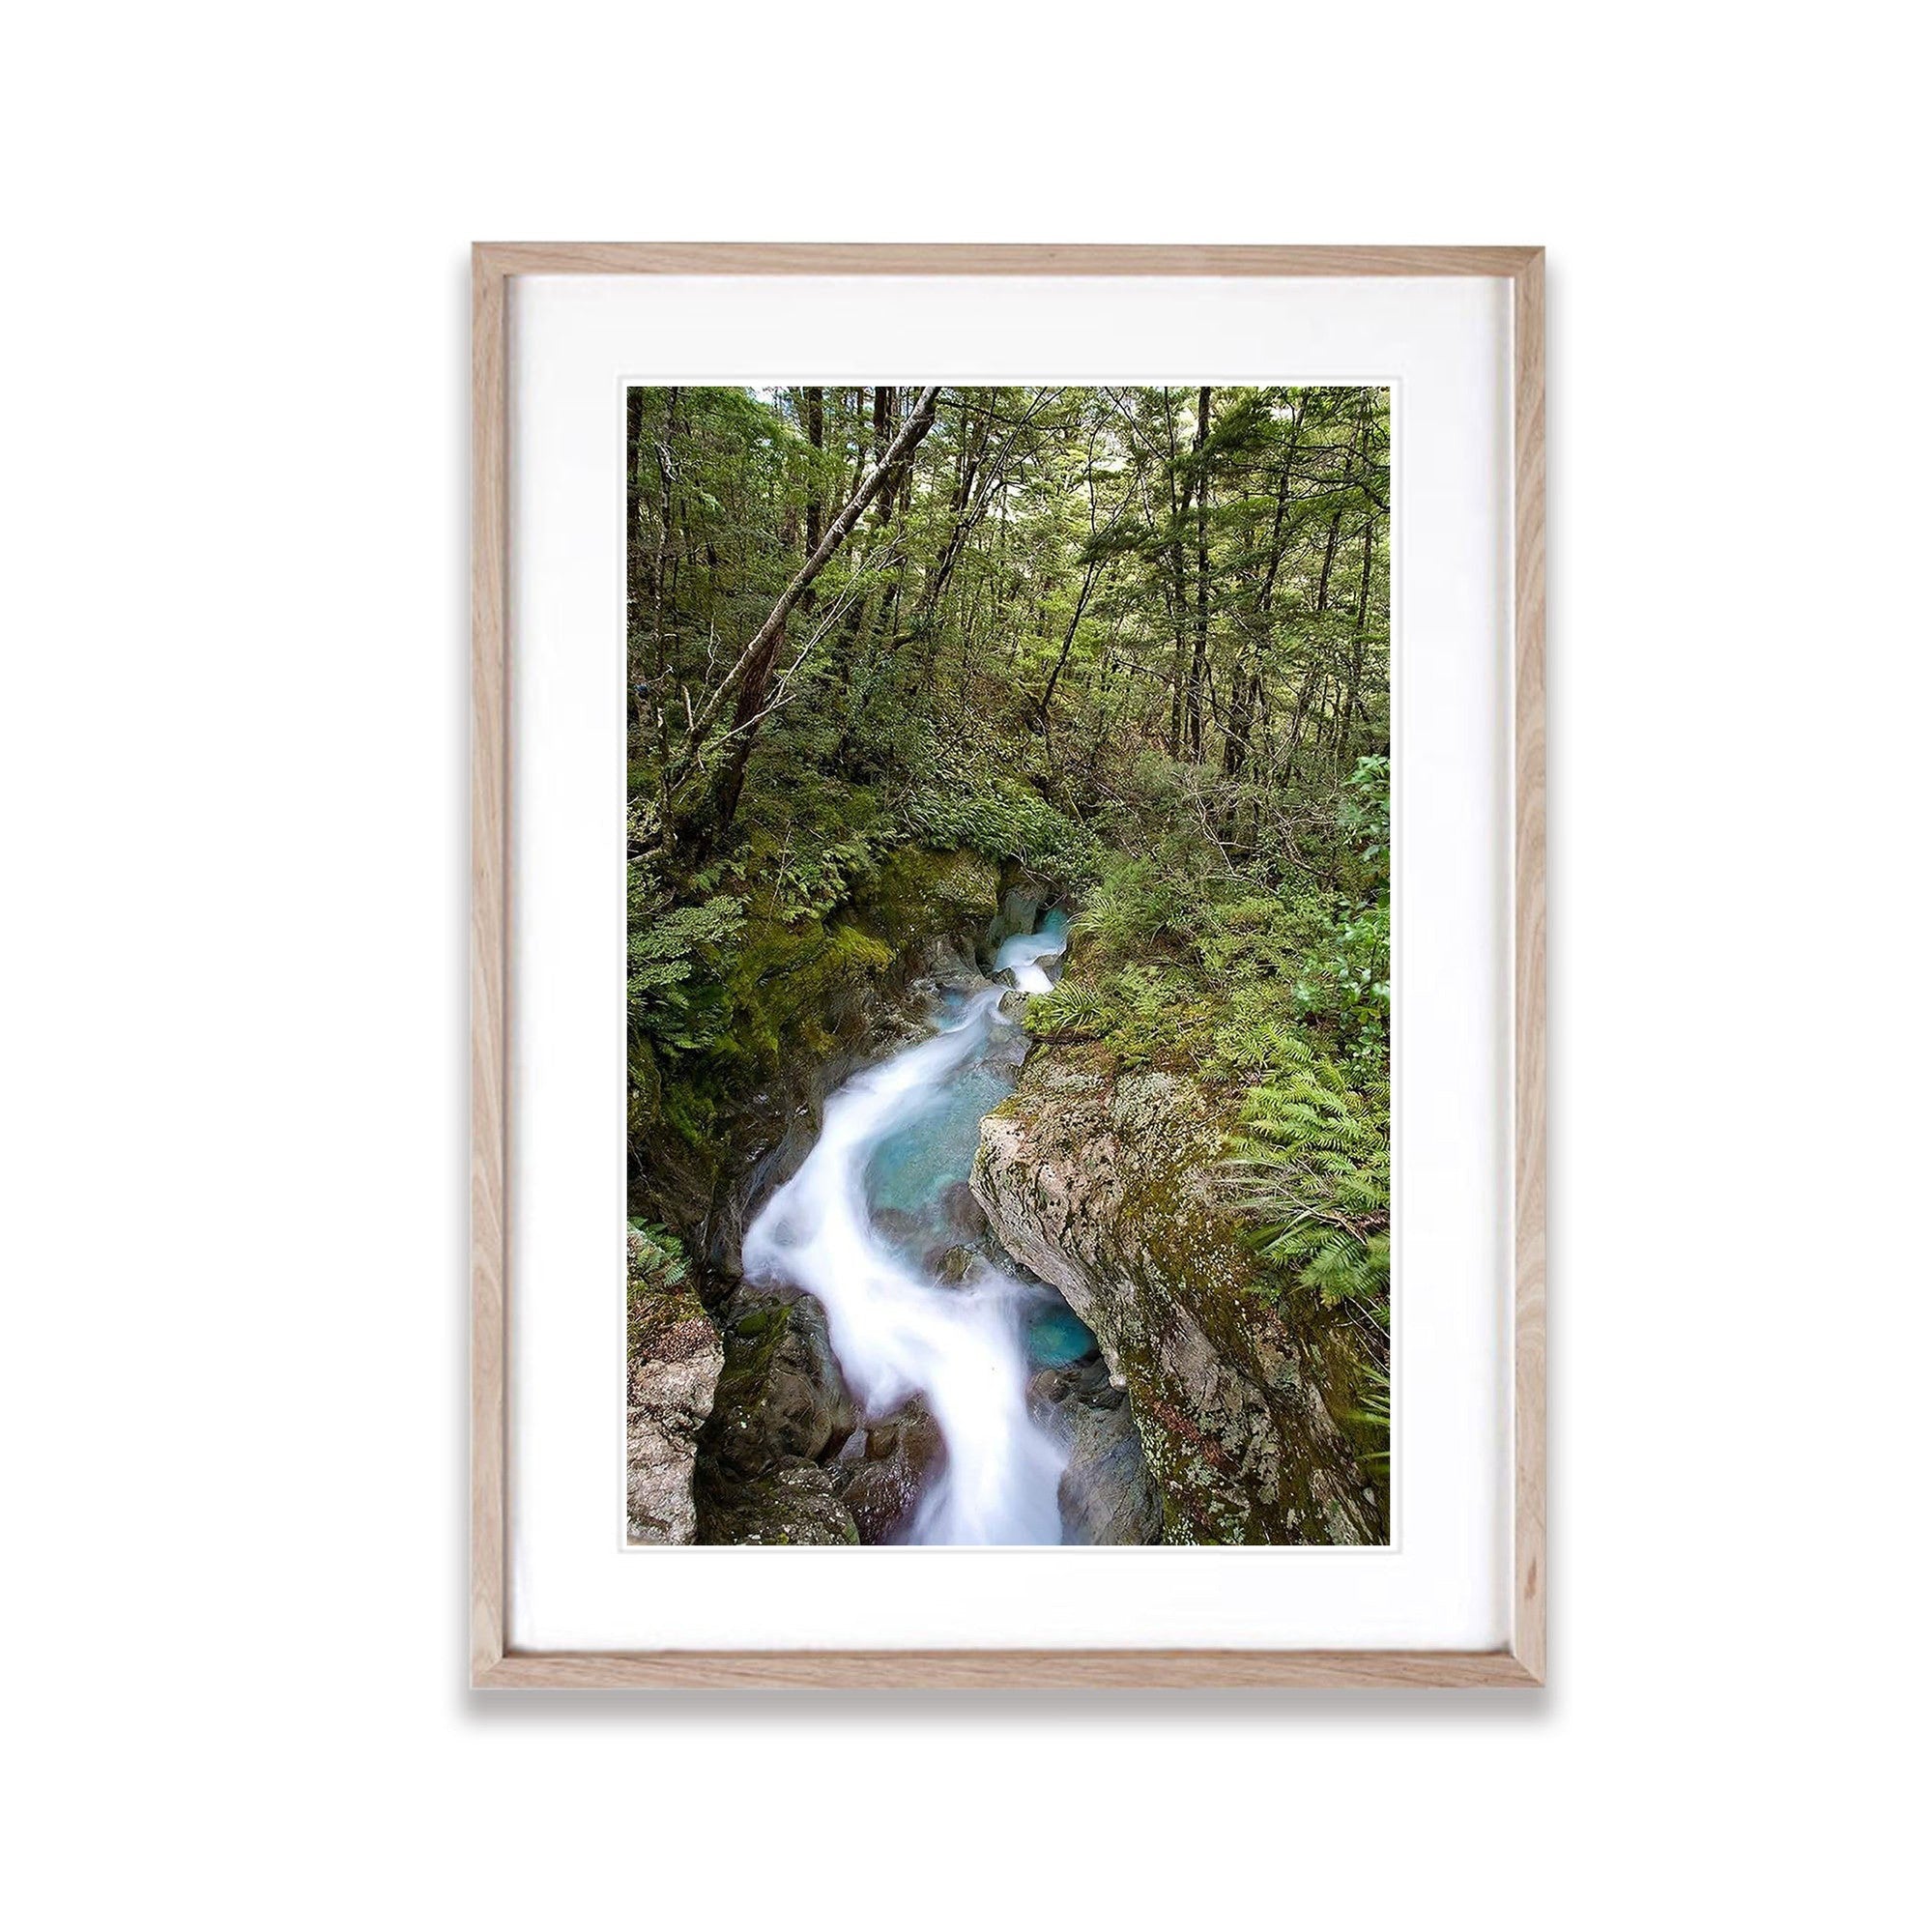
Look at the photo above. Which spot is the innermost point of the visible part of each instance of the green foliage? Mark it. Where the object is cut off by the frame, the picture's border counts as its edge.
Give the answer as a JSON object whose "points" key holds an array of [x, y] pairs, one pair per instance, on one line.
{"points": [[1138, 902], [657, 1262], [967, 799], [812, 882], [1072, 1011], [675, 953], [1313, 1158], [664, 949], [1363, 816], [1010, 663], [1006, 822], [1370, 1411]]}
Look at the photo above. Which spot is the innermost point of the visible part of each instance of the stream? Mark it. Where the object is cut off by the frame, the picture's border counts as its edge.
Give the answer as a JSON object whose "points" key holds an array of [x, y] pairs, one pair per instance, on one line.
{"points": [[878, 1224]]}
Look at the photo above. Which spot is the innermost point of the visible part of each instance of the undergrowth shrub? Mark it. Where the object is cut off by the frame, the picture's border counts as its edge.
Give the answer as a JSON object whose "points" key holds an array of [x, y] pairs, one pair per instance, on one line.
{"points": [[1312, 1160]]}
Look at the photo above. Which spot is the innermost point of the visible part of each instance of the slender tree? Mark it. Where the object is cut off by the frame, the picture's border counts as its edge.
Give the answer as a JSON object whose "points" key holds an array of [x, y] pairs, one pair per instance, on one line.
{"points": [[751, 674]]}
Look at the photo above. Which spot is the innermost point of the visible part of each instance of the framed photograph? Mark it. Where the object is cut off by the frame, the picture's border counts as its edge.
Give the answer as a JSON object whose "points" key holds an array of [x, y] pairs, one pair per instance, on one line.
{"points": [[1007, 993]]}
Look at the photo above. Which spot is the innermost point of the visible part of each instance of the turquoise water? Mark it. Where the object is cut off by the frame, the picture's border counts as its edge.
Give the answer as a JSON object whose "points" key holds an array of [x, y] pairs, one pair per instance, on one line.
{"points": [[915, 1164], [880, 1225], [1057, 1336], [911, 1177]]}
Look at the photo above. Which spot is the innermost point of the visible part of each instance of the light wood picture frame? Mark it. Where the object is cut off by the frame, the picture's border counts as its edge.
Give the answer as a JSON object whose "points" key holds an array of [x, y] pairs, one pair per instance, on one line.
{"points": [[1521, 1662]]}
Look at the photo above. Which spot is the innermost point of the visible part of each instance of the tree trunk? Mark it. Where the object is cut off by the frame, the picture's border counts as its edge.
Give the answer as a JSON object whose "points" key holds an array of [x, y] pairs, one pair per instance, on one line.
{"points": [[1314, 679], [884, 427], [1087, 582], [1351, 703], [1243, 701], [661, 657], [751, 697], [967, 505], [1177, 506], [638, 578], [752, 672], [1328, 562], [1198, 668], [1276, 546], [815, 509], [1060, 664]]}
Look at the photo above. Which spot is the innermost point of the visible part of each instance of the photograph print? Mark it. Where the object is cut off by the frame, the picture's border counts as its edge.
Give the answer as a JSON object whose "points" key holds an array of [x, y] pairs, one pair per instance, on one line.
{"points": [[1008, 965]]}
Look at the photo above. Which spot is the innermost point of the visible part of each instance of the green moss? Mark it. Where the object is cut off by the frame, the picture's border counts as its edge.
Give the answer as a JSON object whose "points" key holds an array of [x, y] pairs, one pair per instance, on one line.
{"points": [[787, 993], [1184, 1244], [791, 987], [750, 1342], [917, 894]]}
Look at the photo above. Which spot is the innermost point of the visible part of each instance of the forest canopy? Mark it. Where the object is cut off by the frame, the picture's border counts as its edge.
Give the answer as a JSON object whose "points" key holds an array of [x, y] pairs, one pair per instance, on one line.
{"points": [[1132, 642]]}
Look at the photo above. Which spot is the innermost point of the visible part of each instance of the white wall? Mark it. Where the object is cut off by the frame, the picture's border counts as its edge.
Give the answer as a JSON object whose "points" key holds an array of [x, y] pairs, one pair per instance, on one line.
{"points": [[234, 834]]}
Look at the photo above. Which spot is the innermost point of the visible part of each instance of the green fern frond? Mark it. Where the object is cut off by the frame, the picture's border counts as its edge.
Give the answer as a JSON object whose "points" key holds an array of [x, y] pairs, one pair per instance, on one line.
{"points": [[1310, 1163]]}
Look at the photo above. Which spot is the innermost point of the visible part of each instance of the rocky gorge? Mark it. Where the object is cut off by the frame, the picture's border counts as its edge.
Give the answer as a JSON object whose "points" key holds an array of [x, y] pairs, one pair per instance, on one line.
{"points": [[1105, 1186], [1042, 1205]]}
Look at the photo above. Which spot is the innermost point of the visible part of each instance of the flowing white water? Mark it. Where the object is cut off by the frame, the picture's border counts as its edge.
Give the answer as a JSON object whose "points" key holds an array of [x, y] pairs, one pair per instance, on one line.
{"points": [[1025, 951], [896, 1328]]}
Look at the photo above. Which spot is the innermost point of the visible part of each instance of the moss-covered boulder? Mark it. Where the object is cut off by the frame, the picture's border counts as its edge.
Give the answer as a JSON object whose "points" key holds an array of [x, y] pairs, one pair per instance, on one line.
{"points": [[917, 897], [780, 1394], [782, 1410], [794, 1502], [1103, 1183]]}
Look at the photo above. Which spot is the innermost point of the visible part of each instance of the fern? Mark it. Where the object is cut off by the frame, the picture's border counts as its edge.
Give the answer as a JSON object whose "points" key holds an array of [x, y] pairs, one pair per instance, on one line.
{"points": [[656, 1259], [1372, 1409], [969, 801], [1070, 1012], [1312, 1164]]}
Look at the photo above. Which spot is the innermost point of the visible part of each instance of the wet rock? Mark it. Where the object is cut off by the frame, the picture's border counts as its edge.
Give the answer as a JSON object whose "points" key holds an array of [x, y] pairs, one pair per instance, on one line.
{"points": [[675, 1356], [962, 1212], [780, 1395], [1020, 907], [1085, 1381], [1106, 1491], [782, 1411], [896, 1226], [955, 1266], [1047, 1390], [905, 1455], [947, 965], [1100, 1388]]}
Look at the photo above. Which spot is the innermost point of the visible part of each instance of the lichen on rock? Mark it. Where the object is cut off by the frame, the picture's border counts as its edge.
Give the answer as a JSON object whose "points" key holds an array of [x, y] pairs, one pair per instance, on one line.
{"points": [[673, 1358], [1102, 1183]]}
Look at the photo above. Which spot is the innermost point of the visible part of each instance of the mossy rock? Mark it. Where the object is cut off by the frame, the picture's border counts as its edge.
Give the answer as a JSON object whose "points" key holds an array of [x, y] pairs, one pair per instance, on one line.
{"points": [[1104, 1182], [795, 1504], [781, 1396], [917, 895]]}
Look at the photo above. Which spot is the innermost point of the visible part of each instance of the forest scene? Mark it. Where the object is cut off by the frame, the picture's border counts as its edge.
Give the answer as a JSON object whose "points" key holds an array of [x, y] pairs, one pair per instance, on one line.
{"points": [[1008, 965]]}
